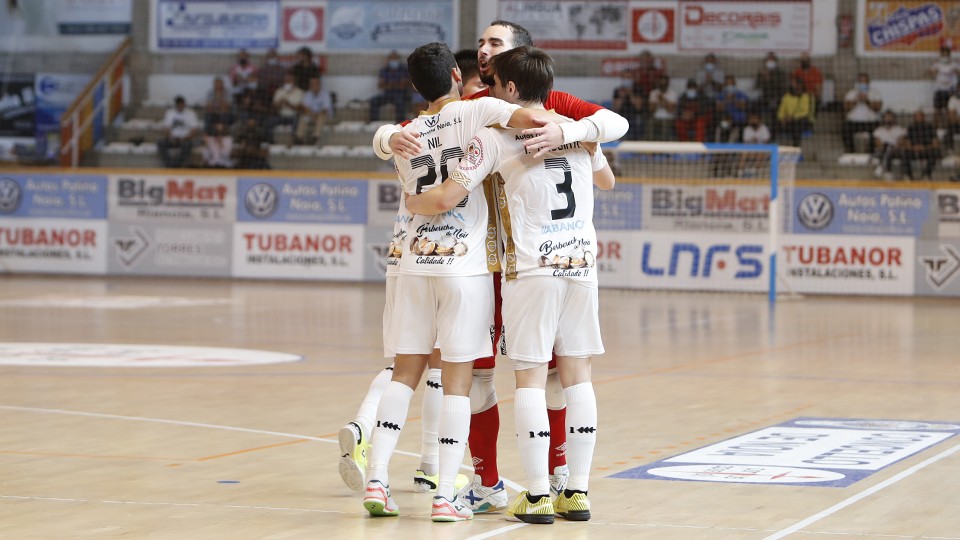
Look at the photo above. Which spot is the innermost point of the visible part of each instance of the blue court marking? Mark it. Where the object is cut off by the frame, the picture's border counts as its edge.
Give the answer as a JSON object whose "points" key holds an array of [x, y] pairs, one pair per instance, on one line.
{"points": [[820, 452], [228, 481]]}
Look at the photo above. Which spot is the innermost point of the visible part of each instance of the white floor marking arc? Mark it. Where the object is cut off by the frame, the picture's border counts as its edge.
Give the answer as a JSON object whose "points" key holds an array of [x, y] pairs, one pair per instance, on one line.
{"points": [[862, 495]]}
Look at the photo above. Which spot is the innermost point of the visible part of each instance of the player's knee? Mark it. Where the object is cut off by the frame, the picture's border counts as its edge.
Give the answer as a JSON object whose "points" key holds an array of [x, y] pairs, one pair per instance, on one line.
{"points": [[555, 399], [483, 395]]}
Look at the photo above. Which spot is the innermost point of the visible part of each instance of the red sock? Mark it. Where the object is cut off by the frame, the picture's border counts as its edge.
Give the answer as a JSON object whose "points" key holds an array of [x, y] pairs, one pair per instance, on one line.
{"points": [[558, 437], [484, 429]]}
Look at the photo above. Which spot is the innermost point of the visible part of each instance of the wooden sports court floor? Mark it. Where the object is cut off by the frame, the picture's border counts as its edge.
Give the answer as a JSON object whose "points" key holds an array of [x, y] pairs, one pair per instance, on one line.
{"points": [[239, 452]]}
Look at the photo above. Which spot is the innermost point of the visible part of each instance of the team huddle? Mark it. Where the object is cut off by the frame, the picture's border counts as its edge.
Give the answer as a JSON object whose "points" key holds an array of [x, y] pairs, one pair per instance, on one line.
{"points": [[489, 213]]}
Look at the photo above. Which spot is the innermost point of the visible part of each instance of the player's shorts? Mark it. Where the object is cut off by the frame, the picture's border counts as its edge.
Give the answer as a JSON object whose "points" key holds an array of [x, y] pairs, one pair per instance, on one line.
{"points": [[496, 329], [545, 314], [388, 314], [454, 313]]}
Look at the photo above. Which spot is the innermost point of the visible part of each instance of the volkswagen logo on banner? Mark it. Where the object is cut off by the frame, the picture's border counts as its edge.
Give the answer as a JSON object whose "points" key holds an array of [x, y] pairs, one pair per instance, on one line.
{"points": [[815, 211], [10, 196], [261, 201]]}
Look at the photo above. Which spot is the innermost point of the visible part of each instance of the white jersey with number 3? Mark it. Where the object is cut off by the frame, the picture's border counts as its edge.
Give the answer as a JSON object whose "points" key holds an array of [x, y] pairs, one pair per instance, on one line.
{"points": [[545, 204], [452, 243]]}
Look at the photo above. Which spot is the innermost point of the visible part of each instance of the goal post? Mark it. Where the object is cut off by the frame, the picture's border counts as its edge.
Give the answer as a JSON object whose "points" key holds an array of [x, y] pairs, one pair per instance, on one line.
{"points": [[707, 210]]}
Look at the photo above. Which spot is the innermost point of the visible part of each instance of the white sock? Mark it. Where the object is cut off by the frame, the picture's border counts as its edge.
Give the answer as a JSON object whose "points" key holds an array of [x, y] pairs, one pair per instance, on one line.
{"points": [[391, 415], [367, 412], [454, 430], [430, 413], [533, 438], [581, 433]]}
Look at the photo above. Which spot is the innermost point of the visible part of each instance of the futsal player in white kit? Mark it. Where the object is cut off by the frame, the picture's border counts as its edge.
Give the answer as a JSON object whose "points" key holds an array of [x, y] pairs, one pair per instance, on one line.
{"points": [[443, 292], [550, 298]]}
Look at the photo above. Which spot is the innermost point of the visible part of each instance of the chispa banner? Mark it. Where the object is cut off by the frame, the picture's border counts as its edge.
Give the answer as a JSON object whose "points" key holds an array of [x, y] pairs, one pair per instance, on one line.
{"points": [[905, 28]]}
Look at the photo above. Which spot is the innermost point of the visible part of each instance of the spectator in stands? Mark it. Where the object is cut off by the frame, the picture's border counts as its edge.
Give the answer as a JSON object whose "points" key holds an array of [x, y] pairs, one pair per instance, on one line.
{"points": [[921, 143], [647, 74], [317, 110], [394, 84], [862, 105], [888, 141], [252, 147], [304, 69], [287, 101], [219, 106], [180, 125], [756, 132], [663, 106], [811, 76], [732, 102], [628, 104], [727, 131], [945, 76], [694, 114], [710, 77], [796, 112], [771, 83], [953, 118], [269, 78], [217, 147], [243, 76]]}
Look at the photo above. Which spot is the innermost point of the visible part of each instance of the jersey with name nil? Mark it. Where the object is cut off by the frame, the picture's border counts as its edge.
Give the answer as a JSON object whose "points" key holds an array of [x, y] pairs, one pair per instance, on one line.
{"points": [[545, 204], [451, 243]]}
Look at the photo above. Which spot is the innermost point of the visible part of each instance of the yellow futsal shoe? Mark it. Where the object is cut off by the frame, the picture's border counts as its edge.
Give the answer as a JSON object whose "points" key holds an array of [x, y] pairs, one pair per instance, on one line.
{"points": [[539, 510], [423, 483], [573, 506], [353, 456]]}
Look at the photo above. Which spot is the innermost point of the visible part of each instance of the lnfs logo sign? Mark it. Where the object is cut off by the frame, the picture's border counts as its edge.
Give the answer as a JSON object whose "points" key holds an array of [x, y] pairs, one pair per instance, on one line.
{"points": [[815, 211], [715, 259], [10, 196], [942, 270], [261, 201]]}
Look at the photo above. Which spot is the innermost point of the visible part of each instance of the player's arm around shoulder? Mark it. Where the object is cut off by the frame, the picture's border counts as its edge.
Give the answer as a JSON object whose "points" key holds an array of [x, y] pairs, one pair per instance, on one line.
{"points": [[479, 161], [592, 123], [392, 139]]}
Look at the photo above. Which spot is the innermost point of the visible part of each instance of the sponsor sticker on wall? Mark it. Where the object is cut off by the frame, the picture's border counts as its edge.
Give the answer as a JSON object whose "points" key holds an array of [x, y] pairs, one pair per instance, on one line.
{"points": [[858, 211], [721, 208], [394, 24], [746, 26], [906, 27], [302, 25], [302, 201], [570, 24], [160, 249], [172, 198], [73, 196], [937, 268], [216, 24], [847, 264], [63, 246], [819, 452], [298, 251]]}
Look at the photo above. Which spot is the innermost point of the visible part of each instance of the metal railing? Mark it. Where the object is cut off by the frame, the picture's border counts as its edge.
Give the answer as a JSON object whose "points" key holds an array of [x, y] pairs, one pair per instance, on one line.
{"points": [[83, 123]]}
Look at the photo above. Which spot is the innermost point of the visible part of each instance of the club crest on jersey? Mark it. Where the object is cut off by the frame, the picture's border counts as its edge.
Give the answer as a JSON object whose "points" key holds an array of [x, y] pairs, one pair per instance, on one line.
{"points": [[474, 156]]}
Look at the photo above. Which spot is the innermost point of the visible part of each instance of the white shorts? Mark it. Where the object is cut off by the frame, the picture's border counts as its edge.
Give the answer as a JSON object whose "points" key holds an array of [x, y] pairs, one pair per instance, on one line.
{"points": [[545, 314], [388, 314], [452, 313]]}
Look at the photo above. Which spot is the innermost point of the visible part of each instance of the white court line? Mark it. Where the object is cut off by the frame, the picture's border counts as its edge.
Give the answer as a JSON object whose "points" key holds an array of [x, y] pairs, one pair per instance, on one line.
{"points": [[862, 495], [507, 482], [497, 532]]}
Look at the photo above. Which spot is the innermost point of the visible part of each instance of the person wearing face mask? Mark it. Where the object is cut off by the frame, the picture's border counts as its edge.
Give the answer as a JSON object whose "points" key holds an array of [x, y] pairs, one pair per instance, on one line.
{"points": [[628, 103], [888, 139], [732, 102], [920, 143], [304, 69], [694, 114], [287, 102], [946, 73], [771, 83], [663, 106], [811, 76], [394, 85], [269, 78], [242, 74], [795, 113], [862, 106], [710, 77]]}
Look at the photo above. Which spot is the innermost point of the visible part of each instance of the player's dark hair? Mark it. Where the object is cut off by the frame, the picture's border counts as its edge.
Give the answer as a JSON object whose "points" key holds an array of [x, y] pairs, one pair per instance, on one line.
{"points": [[530, 69], [467, 62], [521, 36], [429, 67]]}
